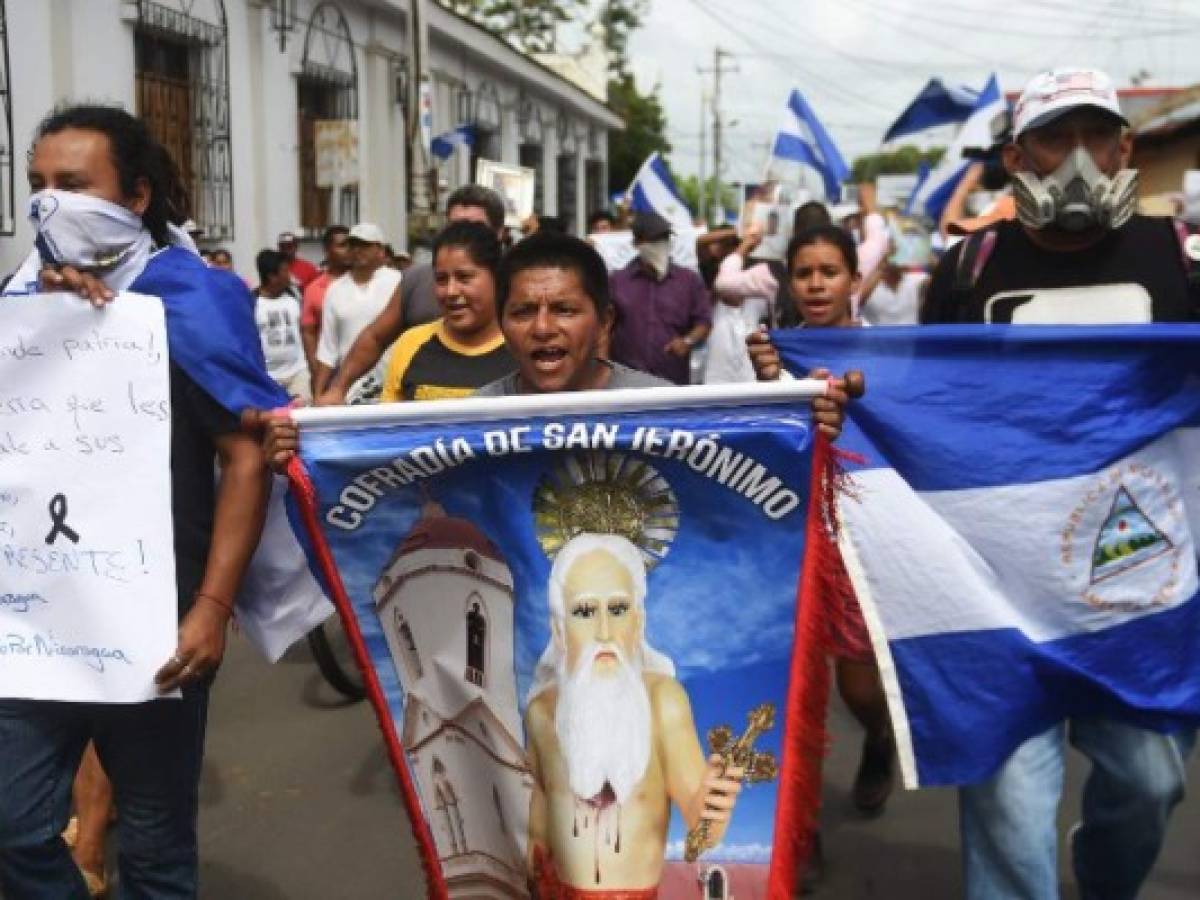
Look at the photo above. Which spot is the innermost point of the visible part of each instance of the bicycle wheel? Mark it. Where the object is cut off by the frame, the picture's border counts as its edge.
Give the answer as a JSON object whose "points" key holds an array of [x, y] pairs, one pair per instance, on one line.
{"points": [[331, 649]]}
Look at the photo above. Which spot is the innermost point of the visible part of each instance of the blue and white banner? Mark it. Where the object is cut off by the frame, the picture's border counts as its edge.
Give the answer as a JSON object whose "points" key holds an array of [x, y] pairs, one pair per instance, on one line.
{"points": [[803, 141], [937, 186], [654, 190], [443, 146], [1022, 533], [567, 605], [936, 104]]}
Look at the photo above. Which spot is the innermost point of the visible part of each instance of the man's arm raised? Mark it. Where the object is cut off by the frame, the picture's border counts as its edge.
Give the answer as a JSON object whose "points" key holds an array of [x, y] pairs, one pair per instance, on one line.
{"points": [[365, 352]]}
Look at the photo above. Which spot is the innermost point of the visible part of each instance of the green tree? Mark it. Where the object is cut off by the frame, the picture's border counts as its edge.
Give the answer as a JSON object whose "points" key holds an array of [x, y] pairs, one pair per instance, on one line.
{"points": [[621, 18], [530, 25], [645, 131], [901, 161], [689, 188]]}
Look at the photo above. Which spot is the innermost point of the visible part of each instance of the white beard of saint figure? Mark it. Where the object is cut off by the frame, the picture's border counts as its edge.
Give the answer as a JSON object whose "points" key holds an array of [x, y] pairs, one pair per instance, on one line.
{"points": [[603, 725]]}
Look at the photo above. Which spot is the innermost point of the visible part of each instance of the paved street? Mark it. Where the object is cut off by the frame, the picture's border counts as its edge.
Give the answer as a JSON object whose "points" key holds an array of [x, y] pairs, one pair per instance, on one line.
{"points": [[298, 803]]}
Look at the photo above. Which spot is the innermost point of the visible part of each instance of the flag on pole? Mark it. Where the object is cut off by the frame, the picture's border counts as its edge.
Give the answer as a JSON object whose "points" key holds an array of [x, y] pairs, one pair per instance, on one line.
{"points": [[934, 190], [444, 145], [803, 141], [936, 104], [516, 573], [1029, 563], [654, 190]]}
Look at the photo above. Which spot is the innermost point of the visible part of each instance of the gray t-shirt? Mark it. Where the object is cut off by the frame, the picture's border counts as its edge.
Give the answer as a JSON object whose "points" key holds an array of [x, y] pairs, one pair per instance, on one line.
{"points": [[418, 304], [622, 377]]}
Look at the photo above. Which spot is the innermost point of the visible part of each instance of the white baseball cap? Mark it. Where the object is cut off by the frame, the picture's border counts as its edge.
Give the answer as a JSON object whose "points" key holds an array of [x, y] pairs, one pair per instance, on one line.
{"points": [[1055, 93], [368, 233]]}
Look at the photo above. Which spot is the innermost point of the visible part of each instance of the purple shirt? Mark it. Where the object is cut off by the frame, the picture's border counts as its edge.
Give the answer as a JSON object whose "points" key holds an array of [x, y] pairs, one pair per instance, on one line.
{"points": [[650, 314]]}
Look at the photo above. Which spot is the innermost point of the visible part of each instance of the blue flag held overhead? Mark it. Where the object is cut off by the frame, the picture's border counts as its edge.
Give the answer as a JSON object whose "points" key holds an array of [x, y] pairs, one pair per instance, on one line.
{"points": [[803, 141], [936, 104], [653, 190], [1021, 536], [934, 190]]}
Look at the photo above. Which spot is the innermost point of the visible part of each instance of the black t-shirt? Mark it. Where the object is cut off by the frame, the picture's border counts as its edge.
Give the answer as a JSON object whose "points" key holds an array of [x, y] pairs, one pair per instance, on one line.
{"points": [[1140, 260], [196, 419]]}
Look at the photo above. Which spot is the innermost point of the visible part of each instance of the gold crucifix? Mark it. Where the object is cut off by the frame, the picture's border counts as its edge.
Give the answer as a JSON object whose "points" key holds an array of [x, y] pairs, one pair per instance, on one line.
{"points": [[740, 753]]}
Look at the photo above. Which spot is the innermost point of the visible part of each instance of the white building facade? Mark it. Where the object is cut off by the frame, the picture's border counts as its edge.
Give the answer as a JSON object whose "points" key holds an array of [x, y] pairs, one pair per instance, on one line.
{"points": [[235, 89]]}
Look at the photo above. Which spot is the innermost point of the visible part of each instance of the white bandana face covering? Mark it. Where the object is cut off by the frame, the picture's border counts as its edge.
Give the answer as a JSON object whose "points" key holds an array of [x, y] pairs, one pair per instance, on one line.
{"points": [[91, 234], [657, 256]]}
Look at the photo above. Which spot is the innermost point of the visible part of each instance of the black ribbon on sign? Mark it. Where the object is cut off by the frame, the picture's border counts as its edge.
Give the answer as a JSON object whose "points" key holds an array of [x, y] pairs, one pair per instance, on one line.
{"points": [[58, 518]]}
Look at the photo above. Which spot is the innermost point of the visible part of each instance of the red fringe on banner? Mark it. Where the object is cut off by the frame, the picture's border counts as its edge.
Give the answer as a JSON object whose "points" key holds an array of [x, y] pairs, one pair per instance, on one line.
{"points": [[821, 598], [306, 497]]}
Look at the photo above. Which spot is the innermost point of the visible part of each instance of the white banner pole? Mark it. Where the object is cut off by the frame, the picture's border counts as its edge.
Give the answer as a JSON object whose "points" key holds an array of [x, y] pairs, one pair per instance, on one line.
{"points": [[482, 409]]}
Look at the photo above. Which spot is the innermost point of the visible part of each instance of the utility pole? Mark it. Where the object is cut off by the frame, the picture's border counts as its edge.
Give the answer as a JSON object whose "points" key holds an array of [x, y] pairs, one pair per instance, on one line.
{"points": [[701, 212], [420, 105], [718, 69]]}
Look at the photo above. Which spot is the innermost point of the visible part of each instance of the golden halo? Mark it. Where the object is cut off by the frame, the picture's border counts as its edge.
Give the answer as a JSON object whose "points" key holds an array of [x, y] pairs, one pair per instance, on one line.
{"points": [[602, 492]]}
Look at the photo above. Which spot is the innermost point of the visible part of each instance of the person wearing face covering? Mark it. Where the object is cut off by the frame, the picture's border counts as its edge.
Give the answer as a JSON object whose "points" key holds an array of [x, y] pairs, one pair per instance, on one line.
{"points": [[1077, 254], [663, 310], [105, 197]]}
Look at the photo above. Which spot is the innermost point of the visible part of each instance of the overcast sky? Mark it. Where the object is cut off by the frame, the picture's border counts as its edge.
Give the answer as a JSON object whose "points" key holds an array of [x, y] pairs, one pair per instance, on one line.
{"points": [[859, 62]]}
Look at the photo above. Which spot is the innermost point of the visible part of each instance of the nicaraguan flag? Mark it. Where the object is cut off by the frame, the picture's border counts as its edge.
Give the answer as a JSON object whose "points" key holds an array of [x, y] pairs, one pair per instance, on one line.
{"points": [[936, 104], [934, 190], [444, 145], [653, 190], [803, 140], [1022, 533]]}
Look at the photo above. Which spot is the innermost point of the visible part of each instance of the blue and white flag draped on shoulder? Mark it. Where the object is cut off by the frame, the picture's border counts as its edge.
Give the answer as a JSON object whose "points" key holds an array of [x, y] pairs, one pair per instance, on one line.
{"points": [[936, 104], [1022, 534], [935, 189], [653, 190], [803, 141], [213, 338], [444, 145]]}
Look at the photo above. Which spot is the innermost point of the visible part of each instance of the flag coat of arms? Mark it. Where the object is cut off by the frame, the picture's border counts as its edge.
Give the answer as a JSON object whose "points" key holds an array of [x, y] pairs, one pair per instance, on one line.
{"points": [[1020, 531], [572, 610]]}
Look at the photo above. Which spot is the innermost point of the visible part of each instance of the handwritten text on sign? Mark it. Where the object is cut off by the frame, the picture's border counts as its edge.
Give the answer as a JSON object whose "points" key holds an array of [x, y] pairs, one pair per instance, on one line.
{"points": [[87, 564]]}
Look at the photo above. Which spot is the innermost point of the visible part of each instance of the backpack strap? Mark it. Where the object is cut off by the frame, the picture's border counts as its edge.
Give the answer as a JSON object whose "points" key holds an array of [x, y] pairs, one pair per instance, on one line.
{"points": [[977, 249]]}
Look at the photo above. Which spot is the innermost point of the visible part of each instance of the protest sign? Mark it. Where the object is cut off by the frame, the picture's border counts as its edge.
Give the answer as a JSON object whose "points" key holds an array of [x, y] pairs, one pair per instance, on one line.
{"points": [[87, 568], [564, 604]]}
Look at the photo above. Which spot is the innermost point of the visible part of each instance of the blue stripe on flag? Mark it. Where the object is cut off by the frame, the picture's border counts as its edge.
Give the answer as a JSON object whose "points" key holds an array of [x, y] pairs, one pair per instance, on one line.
{"points": [[971, 697], [1091, 395]]}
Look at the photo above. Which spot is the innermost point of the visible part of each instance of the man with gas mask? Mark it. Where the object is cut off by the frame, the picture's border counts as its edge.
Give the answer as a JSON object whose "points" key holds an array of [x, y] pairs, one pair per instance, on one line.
{"points": [[663, 310], [1077, 254]]}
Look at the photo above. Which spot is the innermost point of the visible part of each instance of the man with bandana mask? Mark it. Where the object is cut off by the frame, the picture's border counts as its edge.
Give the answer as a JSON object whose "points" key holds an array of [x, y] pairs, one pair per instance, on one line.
{"points": [[105, 195], [663, 310], [1077, 254]]}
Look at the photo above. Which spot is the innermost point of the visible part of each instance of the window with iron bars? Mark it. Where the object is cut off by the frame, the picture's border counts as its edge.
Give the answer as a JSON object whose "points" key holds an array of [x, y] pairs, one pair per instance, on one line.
{"points": [[323, 94], [8, 212], [182, 89]]}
